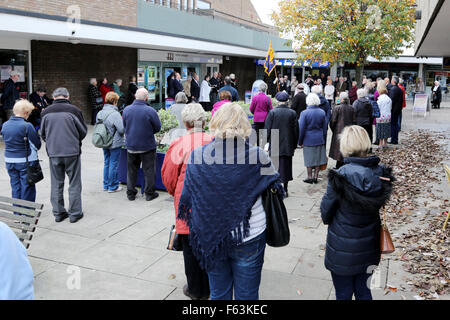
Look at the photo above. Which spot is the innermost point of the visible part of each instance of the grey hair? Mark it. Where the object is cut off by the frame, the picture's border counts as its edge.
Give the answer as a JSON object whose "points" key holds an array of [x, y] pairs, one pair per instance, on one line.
{"points": [[316, 89], [312, 99], [60, 92], [361, 93], [119, 80], [92, 80], [181, 98], [192, 114], [395, 79], [141, 94], [262, 87], [344, 97]]}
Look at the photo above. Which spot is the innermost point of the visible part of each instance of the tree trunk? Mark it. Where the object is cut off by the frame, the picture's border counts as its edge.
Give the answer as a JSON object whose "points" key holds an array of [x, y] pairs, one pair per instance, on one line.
{"points": [[359, 74]]}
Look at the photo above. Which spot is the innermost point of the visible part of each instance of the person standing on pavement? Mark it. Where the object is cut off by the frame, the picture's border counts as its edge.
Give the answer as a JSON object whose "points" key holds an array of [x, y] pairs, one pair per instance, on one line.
{"points": [[363, 114], [352, 92], [324, 105], [224, 97], [228, 240], [205, 91], [383, 123], [63, 130], [141, 122], [329, 92], [40, 101], [351, 209], [132, 88], [400, 85], [227, 87], [299, 101], [95, 99], [195, 88], [260, 107], [283, 119], [396, 95], [343, 116], [173, 172], [17, 150], [436, 95], [294, 84], [10, 94], [104, 88], [112, 119]]}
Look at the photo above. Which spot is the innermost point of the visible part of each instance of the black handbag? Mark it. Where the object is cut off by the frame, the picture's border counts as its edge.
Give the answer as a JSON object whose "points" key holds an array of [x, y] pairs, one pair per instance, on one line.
{"points": [[277, 225], [175, 243], [34, 172]]}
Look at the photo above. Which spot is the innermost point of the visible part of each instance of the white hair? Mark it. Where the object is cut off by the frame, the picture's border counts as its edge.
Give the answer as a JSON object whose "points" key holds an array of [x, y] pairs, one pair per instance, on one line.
{"points": [[181, 98], [92, 80], [361, 93], [262, 87], [312, 99], [192, 114], [141, 94], [316, 89], [344, 97]]}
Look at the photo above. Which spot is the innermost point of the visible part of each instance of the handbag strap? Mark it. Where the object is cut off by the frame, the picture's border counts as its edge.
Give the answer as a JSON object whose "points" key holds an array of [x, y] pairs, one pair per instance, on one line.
{"points": [[25, 139]]}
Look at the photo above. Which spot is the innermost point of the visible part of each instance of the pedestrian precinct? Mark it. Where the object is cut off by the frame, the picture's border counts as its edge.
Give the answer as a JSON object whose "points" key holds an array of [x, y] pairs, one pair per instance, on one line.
{"points": [[313, 126], [224, 97], [95, 99], [396, 95], [229, 240], [350, 208], [16, 274], [112, 119], [10, 94], [63, 130], [173, 174], [363, 112], [227, 87], [205, 91], [260, 106], [383, 126], [141, 123], [18, 151], [343, 116], [283, 119], [299, 101]]}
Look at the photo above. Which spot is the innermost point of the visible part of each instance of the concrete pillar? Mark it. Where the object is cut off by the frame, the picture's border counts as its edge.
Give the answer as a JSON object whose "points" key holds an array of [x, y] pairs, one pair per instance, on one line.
{"points": [[194, 4], [420, 73], [303, 74]]}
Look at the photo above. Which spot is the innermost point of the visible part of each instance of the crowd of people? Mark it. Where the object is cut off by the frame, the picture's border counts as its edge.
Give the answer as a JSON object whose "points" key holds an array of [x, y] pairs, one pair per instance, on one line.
{"points": [[223, 246]]}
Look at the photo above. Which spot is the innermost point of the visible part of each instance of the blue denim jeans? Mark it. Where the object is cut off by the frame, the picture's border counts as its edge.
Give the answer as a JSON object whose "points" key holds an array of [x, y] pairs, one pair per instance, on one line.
{"points": [[18, 178], [241, 271], [110, 171], [346, 286]]}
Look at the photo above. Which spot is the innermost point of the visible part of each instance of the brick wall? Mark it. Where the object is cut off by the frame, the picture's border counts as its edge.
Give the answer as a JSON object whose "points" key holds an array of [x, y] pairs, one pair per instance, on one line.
{"points": [[59, 64], [121, 12]]}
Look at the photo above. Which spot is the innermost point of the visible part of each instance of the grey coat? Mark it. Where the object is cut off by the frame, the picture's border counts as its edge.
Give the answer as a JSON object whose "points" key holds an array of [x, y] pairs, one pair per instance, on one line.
{"points": [[114, 124]]}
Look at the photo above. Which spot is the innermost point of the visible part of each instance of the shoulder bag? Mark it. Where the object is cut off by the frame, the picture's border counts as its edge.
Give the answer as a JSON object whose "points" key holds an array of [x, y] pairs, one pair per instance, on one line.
{"points": [[386, 244], [277, 225], [34, 172]]}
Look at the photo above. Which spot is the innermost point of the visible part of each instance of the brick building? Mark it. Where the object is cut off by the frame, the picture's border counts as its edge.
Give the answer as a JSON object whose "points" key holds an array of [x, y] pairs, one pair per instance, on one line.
{"points": [[56, 43]]}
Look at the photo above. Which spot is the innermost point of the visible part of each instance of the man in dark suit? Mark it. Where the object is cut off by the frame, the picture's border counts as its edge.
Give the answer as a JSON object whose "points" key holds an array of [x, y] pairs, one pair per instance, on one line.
{"points": [[396, 95], [176, 86], [299, 101], [195, 88], [10, 95], [40, 101]]}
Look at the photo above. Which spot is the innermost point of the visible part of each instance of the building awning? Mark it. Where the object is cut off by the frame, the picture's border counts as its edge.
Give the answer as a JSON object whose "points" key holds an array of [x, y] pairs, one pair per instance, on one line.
{"points": [[295, 63]]}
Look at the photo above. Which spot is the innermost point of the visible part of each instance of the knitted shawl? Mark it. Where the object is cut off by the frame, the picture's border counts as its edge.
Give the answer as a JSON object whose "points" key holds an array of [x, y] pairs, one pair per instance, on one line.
{"points": [[223, 181]]}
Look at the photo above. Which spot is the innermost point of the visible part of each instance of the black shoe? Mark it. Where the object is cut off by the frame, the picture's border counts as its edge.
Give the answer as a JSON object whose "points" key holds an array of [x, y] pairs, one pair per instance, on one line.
{"points": [[74, 219], [310, 181], [188, 294], [315, 181], [150, 197], [61, 217], [131, 198]]}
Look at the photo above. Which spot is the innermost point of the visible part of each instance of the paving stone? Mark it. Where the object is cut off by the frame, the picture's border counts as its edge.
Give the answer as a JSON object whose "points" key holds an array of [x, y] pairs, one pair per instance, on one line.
{"points": [[311, 264], [168, 270], [40, 265], [282, 259]]}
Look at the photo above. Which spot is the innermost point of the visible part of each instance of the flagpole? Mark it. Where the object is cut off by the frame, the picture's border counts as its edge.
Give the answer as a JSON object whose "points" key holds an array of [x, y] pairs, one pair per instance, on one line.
{"points": [[276, 77]]}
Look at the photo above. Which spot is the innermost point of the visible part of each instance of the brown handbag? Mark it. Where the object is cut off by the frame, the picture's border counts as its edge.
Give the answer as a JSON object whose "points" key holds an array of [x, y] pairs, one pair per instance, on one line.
{"points": [[386, 244]]}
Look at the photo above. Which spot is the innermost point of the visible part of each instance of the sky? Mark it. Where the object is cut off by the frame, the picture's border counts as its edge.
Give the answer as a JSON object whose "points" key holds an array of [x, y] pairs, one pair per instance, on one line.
{"points": [[264, 9]]}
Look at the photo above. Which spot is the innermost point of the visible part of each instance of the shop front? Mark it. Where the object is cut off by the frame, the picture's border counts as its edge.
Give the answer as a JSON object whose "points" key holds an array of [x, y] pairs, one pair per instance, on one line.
{"points": [[154, 67], [291, 67]]}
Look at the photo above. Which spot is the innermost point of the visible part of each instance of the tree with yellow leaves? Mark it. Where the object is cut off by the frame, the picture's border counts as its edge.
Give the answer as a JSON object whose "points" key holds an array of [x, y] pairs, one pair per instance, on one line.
{"points": [[347, 30]]}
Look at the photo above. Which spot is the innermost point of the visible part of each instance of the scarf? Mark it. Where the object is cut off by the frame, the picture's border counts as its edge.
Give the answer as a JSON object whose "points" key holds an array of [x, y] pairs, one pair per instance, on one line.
{"points": [[218, 198]]}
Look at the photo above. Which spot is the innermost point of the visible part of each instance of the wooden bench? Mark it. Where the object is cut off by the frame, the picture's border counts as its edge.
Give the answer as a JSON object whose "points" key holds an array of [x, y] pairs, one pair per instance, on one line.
{"points": [[24, 223]]}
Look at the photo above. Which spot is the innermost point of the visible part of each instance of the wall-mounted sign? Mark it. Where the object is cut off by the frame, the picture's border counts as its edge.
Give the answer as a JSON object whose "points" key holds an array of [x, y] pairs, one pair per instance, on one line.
{"points": [[172, 56]]}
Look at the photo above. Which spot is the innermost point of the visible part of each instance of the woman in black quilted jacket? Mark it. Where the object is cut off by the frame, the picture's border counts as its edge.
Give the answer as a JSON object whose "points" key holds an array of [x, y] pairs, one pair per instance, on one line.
{"points": [[350, 208]]}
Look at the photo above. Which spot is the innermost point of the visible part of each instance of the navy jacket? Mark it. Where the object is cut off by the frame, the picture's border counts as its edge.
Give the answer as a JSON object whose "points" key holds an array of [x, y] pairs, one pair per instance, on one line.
{"points": [[140, 122], [175, 87], [313, 127], [233, 91], [13, 132], [10, 94], [350, 207]]}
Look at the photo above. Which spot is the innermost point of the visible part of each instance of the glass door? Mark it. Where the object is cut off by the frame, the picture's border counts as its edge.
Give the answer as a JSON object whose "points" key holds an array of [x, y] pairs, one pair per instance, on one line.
{"points": [[211, 68]]}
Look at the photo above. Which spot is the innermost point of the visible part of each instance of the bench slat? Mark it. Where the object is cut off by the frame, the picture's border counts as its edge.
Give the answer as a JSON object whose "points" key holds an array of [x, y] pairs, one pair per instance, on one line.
{"points": [[30, 212], [25, 203], [23, 236], [19, 226], [10, 216]]}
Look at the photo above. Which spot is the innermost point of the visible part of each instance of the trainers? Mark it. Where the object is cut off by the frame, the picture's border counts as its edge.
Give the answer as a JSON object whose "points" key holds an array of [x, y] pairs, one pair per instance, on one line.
{"points": [[74, 219], [152, 196], [117, 190], [61, 217]]}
